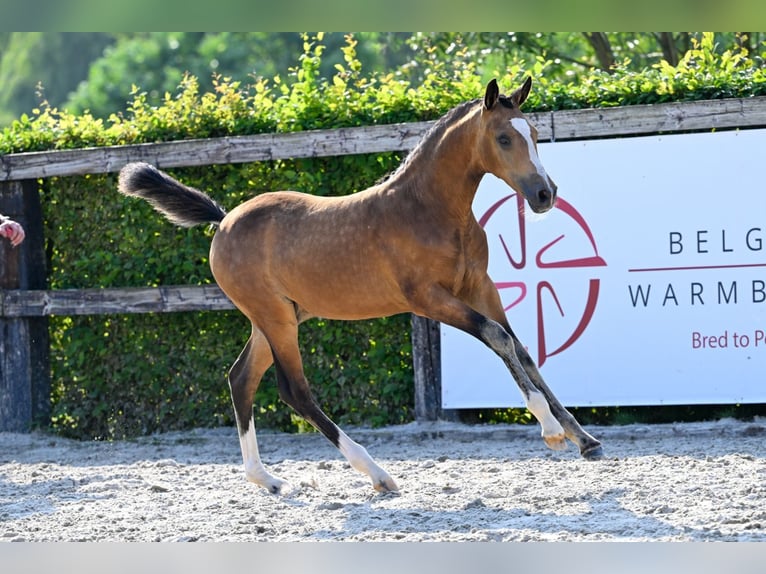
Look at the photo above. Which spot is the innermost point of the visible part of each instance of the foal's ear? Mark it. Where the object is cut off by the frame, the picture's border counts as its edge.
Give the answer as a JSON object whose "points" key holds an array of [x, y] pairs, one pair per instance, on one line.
{"points": [[519, 96], [491, 95]]}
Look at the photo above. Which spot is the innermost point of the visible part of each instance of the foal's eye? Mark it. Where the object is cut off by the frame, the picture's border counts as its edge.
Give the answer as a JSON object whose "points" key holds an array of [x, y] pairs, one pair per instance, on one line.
{"points": [[504, 140]]}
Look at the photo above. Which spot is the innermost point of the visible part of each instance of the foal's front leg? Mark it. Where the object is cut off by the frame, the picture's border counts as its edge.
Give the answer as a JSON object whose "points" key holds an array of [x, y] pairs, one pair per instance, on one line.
{"points": [[590, 447], [442, 306], [495, 336], [486, 300]]}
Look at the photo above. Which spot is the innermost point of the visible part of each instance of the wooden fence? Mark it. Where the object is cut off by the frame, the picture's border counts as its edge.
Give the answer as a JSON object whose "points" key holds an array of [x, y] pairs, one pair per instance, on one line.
{"points": [[25, 303]]}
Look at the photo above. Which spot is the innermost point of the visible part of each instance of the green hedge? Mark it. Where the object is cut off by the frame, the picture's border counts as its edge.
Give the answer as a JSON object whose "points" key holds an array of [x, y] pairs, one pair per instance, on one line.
{"points": [[119, 376], [123, 375]]}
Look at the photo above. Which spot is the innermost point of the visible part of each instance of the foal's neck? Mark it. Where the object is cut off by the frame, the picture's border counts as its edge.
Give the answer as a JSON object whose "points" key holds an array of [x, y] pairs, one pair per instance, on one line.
{"points": [[444, 170]]}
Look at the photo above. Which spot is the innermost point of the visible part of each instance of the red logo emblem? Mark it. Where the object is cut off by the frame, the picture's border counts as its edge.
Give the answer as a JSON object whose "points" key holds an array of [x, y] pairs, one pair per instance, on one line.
{"points": [[515, 292]]}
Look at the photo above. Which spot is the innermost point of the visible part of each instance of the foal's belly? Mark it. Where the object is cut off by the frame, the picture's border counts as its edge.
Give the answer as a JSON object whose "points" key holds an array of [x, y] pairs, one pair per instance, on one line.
{"points": [[346, 295]]}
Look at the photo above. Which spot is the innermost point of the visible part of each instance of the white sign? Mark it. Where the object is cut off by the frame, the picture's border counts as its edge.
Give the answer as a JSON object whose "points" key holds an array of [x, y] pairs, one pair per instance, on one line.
{"points": [[645, 285]]}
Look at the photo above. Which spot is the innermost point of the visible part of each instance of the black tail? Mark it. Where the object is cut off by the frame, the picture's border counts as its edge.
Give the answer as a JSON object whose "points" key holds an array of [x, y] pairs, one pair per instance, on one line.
{"points": [[181, 204]]}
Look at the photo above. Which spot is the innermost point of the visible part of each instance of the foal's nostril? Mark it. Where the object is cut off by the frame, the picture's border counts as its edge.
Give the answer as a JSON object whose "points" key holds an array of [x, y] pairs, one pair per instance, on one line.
{"points": [[544, 196]]}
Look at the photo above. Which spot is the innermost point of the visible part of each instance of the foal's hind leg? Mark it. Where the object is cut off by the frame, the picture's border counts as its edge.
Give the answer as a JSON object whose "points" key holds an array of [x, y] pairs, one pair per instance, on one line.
{"points": [[294, 390], [244, 377]]}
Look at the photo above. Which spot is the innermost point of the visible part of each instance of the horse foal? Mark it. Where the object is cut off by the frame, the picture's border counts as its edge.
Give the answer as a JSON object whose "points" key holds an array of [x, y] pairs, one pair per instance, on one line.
{"points": [[284, 257]]}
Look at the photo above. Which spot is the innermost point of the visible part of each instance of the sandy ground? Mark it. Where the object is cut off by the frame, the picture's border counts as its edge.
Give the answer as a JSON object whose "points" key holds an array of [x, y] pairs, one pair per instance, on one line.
{"points": [[680, 482]]}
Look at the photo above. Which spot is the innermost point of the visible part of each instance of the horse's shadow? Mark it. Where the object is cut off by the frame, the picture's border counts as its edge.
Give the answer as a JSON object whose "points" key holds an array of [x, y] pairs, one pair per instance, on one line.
{"points": [[605, 518]]}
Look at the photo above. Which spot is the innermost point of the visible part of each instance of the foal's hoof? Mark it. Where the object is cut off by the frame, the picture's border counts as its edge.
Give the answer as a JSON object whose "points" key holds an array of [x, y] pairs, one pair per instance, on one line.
{"points": [[272, 484], [277, 487], [556, 442], [385, 485], [594, 452]]}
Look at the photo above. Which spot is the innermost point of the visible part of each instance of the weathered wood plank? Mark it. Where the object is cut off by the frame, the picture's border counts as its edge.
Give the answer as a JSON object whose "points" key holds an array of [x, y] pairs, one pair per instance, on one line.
{"points": [[233, 149], [16, 402], [169, 299], [561, 125], [24, 376], [426, 365], [660, 118]]}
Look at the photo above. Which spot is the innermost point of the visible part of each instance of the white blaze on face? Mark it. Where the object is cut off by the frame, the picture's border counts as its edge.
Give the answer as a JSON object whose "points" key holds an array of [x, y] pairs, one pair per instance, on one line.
{"points": [[521, 126]]}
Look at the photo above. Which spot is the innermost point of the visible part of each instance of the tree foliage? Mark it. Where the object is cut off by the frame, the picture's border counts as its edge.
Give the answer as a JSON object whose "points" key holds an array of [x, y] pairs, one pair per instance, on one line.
{"points": [[43, 65], [95, 72]]}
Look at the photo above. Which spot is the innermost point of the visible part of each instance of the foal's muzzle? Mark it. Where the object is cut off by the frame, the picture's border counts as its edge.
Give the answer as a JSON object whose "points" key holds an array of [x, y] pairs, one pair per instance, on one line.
{"points": [[540, 193]]}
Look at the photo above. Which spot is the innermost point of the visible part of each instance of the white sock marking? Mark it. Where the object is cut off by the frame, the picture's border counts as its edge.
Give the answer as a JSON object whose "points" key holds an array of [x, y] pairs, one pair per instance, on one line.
{"points": [[254, 469], [356, 454], [361, 461], [539, 407]]}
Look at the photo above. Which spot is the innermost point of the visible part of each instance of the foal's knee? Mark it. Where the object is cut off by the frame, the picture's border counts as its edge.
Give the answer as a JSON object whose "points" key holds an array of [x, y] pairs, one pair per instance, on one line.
{"points": [[498, 339]]}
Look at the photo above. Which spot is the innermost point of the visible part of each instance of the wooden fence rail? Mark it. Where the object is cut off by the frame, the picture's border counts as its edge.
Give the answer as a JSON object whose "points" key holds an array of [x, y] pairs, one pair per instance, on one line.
{"points": [[551, 126], [25, 303]]}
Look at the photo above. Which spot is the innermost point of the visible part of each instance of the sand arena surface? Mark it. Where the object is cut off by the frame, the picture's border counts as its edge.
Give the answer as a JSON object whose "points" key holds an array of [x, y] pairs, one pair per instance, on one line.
{"points": [[680, 482]]}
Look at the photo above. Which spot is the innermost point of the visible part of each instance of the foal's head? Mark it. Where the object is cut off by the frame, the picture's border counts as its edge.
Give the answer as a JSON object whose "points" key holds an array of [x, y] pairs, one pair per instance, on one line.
{"points": [[510, 147]]}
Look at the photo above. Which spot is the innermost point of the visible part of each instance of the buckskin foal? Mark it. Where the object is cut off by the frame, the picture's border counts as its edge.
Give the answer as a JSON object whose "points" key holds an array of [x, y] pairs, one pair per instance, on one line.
{"points": [[407, 244]]}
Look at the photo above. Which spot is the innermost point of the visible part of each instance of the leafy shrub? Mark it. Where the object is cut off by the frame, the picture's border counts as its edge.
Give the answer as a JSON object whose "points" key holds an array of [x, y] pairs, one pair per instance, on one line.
{"points": [[123, 375]]}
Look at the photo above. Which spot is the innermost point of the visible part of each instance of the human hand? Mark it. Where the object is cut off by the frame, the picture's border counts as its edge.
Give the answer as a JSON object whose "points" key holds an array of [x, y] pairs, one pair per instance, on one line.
{"points": [[13, 231]]}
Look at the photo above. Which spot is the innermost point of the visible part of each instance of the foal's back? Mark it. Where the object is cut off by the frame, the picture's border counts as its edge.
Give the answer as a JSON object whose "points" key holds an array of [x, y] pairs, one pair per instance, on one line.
{"points": [[332, 257]]}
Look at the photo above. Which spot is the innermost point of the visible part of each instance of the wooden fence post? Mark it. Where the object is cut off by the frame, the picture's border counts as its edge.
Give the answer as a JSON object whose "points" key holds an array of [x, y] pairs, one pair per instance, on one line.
{"points": [[24, 341], [426, 363]]}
